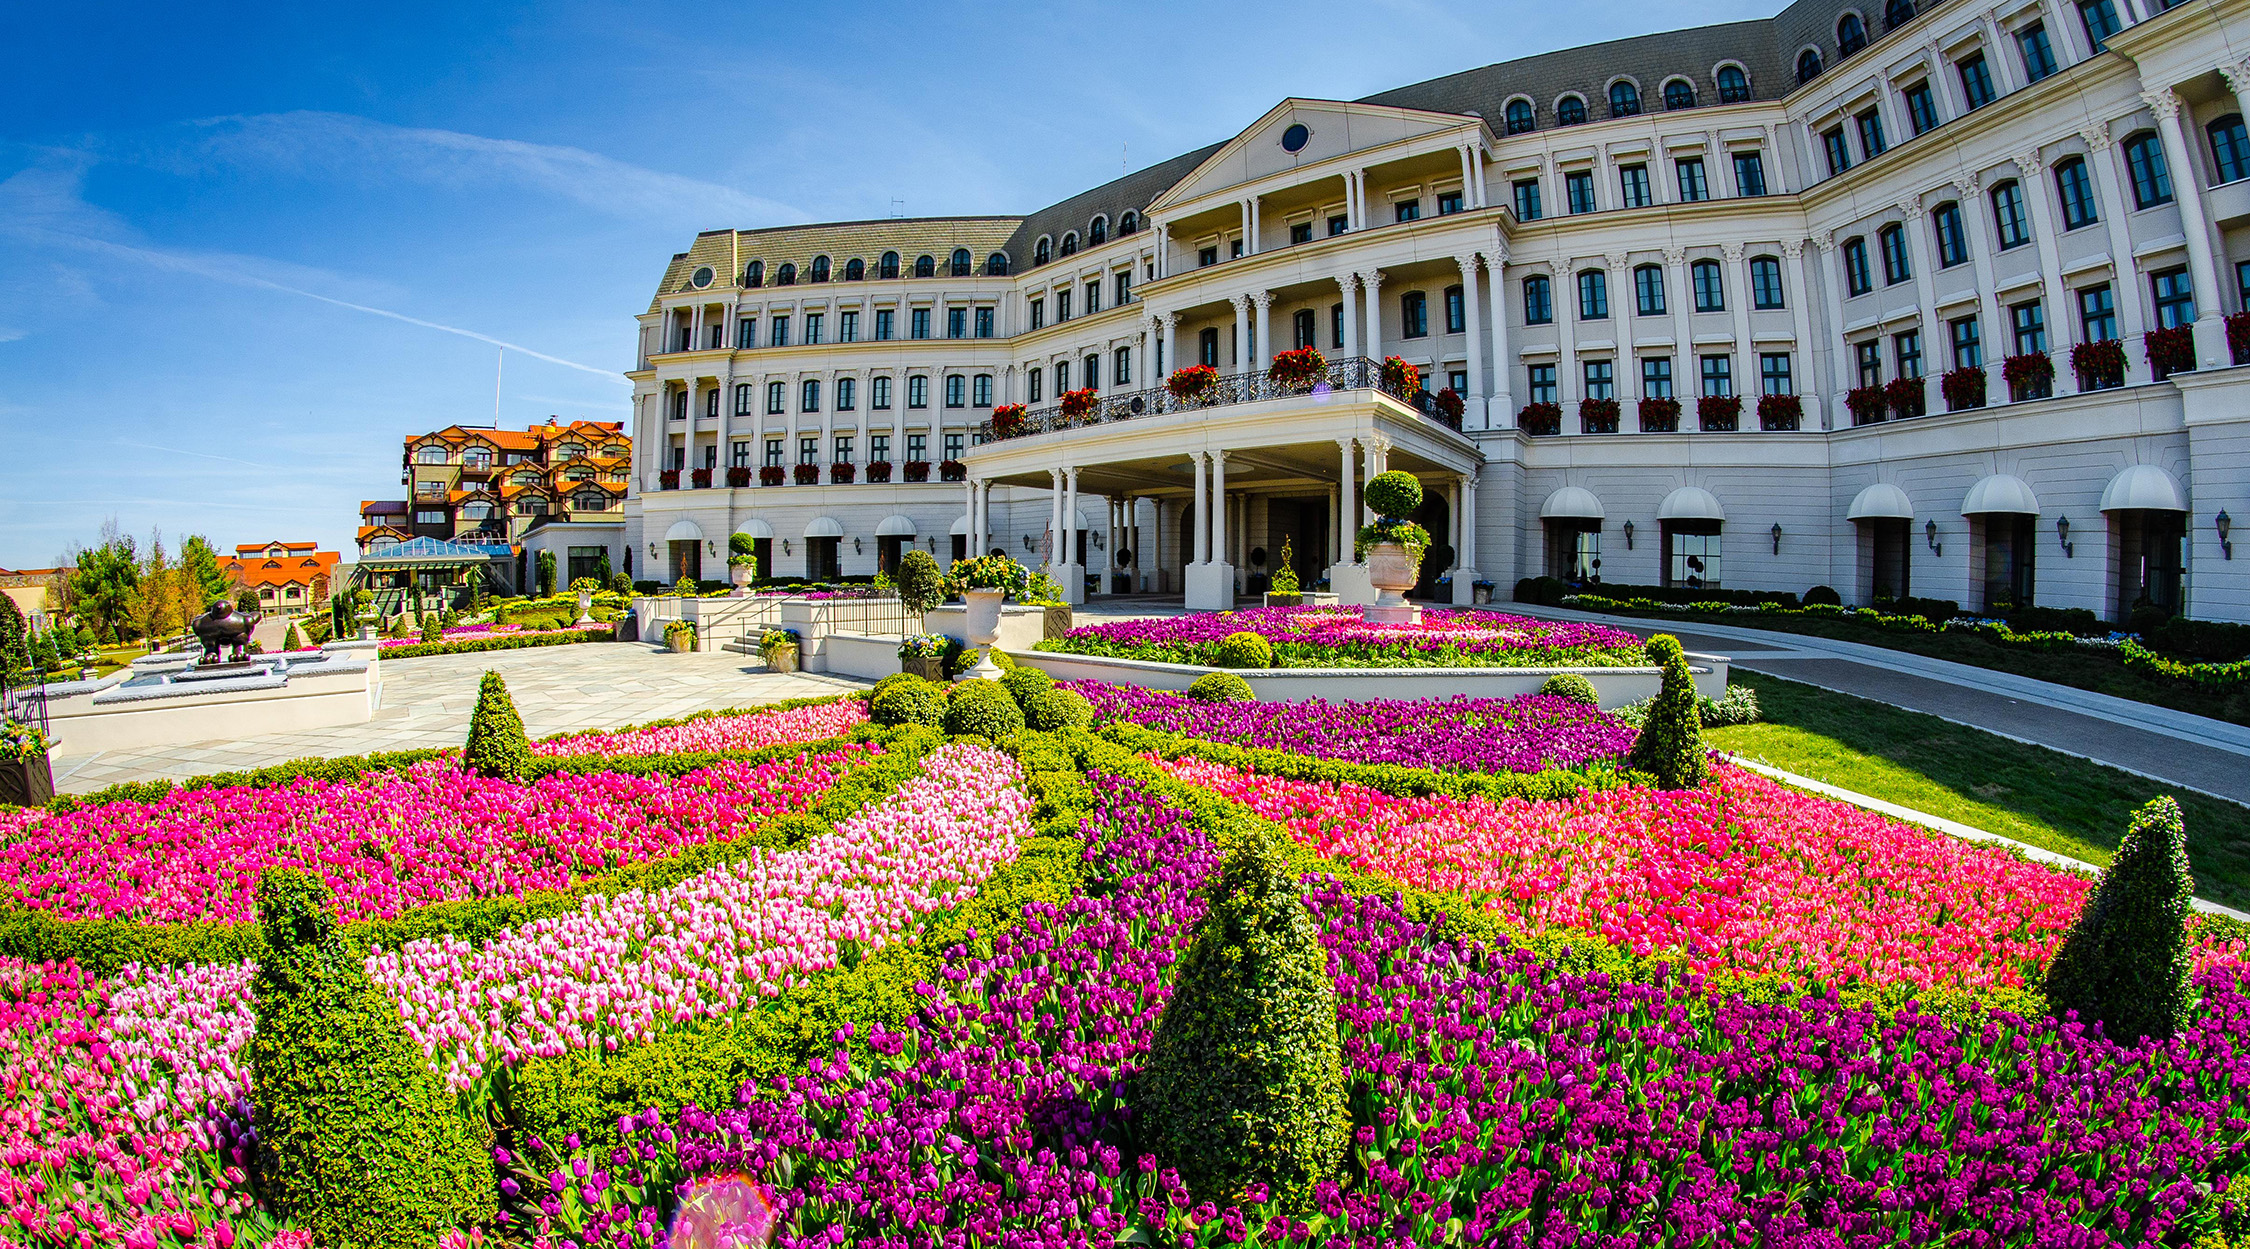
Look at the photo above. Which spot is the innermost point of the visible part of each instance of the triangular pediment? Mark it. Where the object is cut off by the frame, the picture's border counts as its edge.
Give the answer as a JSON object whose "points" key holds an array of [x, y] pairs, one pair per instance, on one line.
{"points": [[1333, 128]]}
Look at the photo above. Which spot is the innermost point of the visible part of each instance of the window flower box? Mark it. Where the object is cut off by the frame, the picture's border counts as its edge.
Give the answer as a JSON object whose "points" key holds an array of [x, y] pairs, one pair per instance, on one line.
{"points": [[1660, 416], [699, 479], [1780, 413], [2099, 366], [2029, 376], [807, 474], [878, 472], [1597, 416], [1865, 403], [772, 475], [1904, 396], [1540, 419], [953, 470], [1077, 405], [2170, 351], [1719, 414], [738, 476], [842, 473], [1007, 420], [1963, 389], [1298, 369], [917, 470], [668, 479]]}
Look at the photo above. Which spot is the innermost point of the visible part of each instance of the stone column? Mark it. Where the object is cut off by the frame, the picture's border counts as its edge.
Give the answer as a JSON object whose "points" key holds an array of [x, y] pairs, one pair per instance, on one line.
{"points": [[1832, 284], [1800, 316], [1171, 361], [1372, 280], [2125, 274], [1219, 506], [2033, 166], [1202, 505], [1263, 343], [1054, 515], [1074, 587], [1348, 496], [1349, 286], [1241, 333], [2238, 81], [1500, 411], [1372, 463], [971, 514], [1473, 412], [2187, 192], [1468, 540]]}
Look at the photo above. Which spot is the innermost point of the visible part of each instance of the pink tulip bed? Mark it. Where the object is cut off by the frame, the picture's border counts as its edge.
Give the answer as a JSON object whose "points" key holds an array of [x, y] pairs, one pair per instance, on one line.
{"points": [[753, 730], [1330, 637], [490, 633]]}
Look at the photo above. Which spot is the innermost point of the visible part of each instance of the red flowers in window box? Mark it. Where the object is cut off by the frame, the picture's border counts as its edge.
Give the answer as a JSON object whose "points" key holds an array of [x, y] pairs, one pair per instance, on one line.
{"points": [[1660, 416], [1963, 389], [2031, 375], [1078, 404], [1192, 382], [1597, 416], [2170, 351], [878, 472], [1400, 378], [668, 479], [2099, 365], [1904, 396], [1298, 369], [952, 470], [738, 476], [1719, 413], [917, 470], [1449, 406], [1780, 412], [1007, 420], [772, 475], [2238, 337], [699, 479], [1866, 404], [1540, 418], [841, 473], [807, 474]]}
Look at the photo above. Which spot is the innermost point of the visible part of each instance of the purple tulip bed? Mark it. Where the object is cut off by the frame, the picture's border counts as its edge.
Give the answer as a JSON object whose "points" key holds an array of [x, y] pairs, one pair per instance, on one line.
{"points": [[1331, 637]]}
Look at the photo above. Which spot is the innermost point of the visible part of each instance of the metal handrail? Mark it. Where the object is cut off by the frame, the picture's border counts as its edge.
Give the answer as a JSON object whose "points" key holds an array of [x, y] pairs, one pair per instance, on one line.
{"points": [[1352, 373]]}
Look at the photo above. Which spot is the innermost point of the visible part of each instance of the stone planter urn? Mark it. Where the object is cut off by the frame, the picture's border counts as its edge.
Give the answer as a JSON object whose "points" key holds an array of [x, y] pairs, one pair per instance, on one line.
{"points": [[26, 782], [585, 607], [982, 624], [742, 575], [781, 658], [1393, 570], [680, 641]]}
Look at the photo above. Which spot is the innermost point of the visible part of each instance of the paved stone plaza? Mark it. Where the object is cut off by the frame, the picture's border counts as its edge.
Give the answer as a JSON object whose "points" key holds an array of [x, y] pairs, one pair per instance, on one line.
{"points": [[426, 702]]}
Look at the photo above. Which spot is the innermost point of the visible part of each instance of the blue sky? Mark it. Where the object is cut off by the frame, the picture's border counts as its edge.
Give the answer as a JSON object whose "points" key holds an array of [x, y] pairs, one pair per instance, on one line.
{"points": [[241, 257]]}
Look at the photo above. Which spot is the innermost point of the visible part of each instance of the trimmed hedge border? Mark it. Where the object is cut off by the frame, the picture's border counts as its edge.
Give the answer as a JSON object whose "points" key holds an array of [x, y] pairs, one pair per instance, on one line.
{"points": [[511, 642], [1395, 779], [102, 946]]}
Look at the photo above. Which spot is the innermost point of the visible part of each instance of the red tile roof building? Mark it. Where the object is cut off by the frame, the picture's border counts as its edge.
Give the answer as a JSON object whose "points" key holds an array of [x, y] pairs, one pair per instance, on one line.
{"points": [[289, 577], [488, 486]]}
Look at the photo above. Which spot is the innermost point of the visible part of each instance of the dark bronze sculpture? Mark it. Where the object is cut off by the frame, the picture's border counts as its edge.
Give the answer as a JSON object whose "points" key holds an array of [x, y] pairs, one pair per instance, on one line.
{"points": [[223, 626]]}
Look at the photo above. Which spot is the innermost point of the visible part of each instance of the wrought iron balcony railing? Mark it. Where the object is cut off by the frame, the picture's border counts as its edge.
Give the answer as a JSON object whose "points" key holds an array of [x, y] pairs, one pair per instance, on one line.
{"points": [[1354, 373]]}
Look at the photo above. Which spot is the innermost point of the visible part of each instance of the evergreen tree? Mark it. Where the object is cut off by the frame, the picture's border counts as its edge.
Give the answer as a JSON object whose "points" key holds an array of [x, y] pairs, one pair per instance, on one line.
{"points": [[2125, 962], [497, 746], [15, 648], [201, 564], [106, 584], [1670, 747]]}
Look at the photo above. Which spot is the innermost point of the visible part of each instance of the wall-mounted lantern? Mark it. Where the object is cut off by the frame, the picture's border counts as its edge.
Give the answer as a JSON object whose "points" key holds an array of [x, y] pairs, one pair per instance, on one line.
{"points": [[1628, 535], [1777, 537], [2062, 535]]}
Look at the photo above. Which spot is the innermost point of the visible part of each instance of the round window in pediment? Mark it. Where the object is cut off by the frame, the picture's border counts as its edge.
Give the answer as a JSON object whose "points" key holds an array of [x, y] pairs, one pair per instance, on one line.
{"points": [[1295, 137]]}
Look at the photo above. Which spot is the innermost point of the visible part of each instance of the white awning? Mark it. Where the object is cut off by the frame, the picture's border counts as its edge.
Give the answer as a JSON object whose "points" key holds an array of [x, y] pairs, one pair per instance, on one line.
{"points": [[960, 524], [2144, 486], [895, 527], [1881, 501], [2000, 493], [684, 531], [755, 528], [1571, 503], [824, 527], [1690, 503]]}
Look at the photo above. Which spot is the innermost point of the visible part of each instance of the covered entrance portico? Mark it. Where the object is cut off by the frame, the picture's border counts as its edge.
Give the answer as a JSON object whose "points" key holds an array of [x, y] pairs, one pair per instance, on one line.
{"points": [[1226, 484]]}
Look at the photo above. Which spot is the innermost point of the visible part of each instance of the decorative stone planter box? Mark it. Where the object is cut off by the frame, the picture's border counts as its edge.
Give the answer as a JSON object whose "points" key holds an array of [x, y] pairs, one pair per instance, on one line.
{"points": [[1616, 686], [26, 783], [927, 667], [781, 658]]}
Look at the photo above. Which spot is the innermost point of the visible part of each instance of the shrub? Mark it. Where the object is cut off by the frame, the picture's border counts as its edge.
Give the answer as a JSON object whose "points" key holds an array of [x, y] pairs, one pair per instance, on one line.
{"points": [[1739, 705], [1022, 683], [1053, 707], [1823, 595], [1245, 1081], [912, 701], [1670, 747], [293, 640], [921, 583], [1572, 686], [969, 658], [2214, 640], [1242, 650], [984, 709], [357, 1142], [2124, 963], [432, 631], [1221, 687], [497, 746], [2074, 620], [1393, 494]]}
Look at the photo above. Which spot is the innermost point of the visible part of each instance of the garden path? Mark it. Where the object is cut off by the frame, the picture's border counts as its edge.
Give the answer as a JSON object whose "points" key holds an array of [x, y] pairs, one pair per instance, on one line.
{"points": [[426, 702]]}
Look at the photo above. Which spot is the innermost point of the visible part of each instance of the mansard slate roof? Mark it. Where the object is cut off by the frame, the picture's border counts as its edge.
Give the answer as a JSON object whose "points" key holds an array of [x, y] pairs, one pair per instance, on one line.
{"points": [[1649, 60], [1131, 193]]}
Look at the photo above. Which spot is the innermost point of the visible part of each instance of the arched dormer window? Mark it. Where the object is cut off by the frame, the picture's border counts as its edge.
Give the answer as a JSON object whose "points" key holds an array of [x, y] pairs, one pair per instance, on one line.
{"points": [[1679, 93], [1520, 117], [855, 270], [1808, 66], [819, 269], [889, 267], [1043, 251], [786, 275], [996, 265], [755, 275], [925, 266], [1097, 232], [1070, 243], [1851, 34], [1624, 99], [1130, 223], [962, 264], [1734, 85], [1570, 111], [1897, 13]]}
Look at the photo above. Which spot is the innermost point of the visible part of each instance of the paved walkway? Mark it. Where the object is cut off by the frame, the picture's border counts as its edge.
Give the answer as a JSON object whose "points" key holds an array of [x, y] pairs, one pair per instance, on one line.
{"points": [[2193, 752], [427, 701]]}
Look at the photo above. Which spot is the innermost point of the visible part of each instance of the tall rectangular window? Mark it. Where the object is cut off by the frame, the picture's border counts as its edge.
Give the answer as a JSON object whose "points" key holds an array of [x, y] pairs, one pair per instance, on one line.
{"points": [[1034, 379], [1123, 281], [1858, 278], [2097, 314], [956, 391], [847, 394], [955, 444], [1749, 173], [1338, 224], [776, 396], [919, 327], [1773, 374], [984, 323], [808, 450], [741, 458], [2076, 187], [917, 448], [1336, 327], [1693, 187], [774, 452], [1906, 352], [1062, 306], [1976, 81], [1093, 297], [980, 390], [2175, 298], [2230, 147], [1448, 203], [1921, 107], [1414, 315], [1600, 383], [1648, 291], [742, 399], [1456, 310], [886, 325], [1538, 300], [1710, 286], [1839, 154], [1578, 188], [2152, 181], [1062, 377], [1407, 210], [1593, 295], [2009, 222], [1896, 269], [1765, 283], [780, 331], [1527, 199], [878, 448], [879, 394], [811, 396], [842, 449], [1718, 375], [1656, 377], [1123, 366], [815, 326], [1632, 186], [2029, 322], [1871, 142], [1952, 240], [847, 326], [1038, 308], [1869, 356], [1542, 382], [1968, 343], [918, 391], [746, 333], [2038, 54], [2101, 21]]}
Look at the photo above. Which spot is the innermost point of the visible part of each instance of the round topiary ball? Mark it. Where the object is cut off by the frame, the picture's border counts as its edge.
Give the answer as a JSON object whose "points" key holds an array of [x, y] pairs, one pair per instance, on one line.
{"points": [[973, 656], [1242, 650], [1056, 707], [892, 682], [1393, 494], [1221, 687], [982, 708], [1022, 683], [1823, 596], [1572, 686], [913, 701]]}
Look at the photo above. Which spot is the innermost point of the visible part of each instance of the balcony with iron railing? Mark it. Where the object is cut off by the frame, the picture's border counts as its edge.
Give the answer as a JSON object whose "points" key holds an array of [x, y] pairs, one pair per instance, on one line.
{"points": [[1353, 373]]}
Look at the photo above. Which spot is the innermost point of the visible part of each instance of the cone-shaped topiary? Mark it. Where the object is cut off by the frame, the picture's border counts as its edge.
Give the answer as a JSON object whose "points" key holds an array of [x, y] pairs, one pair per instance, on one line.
{"points": [[2125, 962], [1245, 1081], [293, 640], [497, 746], [1221, 687], [1243, 649], [358, 1142], [1670, 747], [1572, 686]]}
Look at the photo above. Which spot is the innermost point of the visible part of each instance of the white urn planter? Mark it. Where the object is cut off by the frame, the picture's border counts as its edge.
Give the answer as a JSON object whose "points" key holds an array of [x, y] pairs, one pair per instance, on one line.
{"points": [[982, 624], [585, 607], [742, 575], [1393, 570]]}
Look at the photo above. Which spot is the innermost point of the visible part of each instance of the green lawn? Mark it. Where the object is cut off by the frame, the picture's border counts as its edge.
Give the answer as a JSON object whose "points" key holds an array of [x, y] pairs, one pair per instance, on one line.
{"points": [[2038, 796]]}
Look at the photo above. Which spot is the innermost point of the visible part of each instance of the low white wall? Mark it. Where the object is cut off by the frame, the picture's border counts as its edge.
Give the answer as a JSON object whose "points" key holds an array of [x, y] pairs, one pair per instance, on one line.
{"points": [[857, 655], [1615, 686], [306, 702]]}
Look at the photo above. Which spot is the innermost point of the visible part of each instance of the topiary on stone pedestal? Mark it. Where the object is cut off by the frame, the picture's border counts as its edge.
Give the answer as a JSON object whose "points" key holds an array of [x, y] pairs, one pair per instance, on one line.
{"points": [[1245, 1082], [358, 1142], [2125, 962], [1242, 650], [1670, 747], [497, 746]]}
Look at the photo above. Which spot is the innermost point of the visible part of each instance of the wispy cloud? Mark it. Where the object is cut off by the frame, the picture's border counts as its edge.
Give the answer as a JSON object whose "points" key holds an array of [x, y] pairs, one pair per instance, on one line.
{"points": [[9, 335]]}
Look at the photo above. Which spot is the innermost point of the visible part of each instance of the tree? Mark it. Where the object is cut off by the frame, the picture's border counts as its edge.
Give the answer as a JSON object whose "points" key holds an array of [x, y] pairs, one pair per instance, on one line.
{"points": [[15, 651], [2125, 962], [161, 591], [1670, 747], [921, 584], [208, 579], [246, 600], [106, 585], [546, 573]]}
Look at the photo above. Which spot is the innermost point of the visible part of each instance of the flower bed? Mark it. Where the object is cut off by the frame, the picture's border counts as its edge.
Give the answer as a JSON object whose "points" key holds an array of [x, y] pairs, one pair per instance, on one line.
{"points": [[408, 648], [1458, 734], [389, 842], [750, 731], [1315, 637], [477, 633]]}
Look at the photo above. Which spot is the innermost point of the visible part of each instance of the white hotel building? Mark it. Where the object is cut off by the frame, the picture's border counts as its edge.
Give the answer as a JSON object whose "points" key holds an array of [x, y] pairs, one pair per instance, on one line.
{"points": [[1892, 215]]}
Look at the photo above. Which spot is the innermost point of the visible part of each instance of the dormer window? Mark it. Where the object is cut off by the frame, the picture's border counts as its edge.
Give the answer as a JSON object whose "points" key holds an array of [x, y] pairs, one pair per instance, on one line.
{"points": [[1679, 93], [996, 265], [1851, 35], [962, 264], [855, 269], [890, 265], [1130, 223], [1043, 252], [1808, 66], [925, 266], [1098, 232], [786, 275], [820, 268], [1520, 119], [1070, 243], [1734, 85], [1624, 99], [1571, 111], [755, 275]]}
